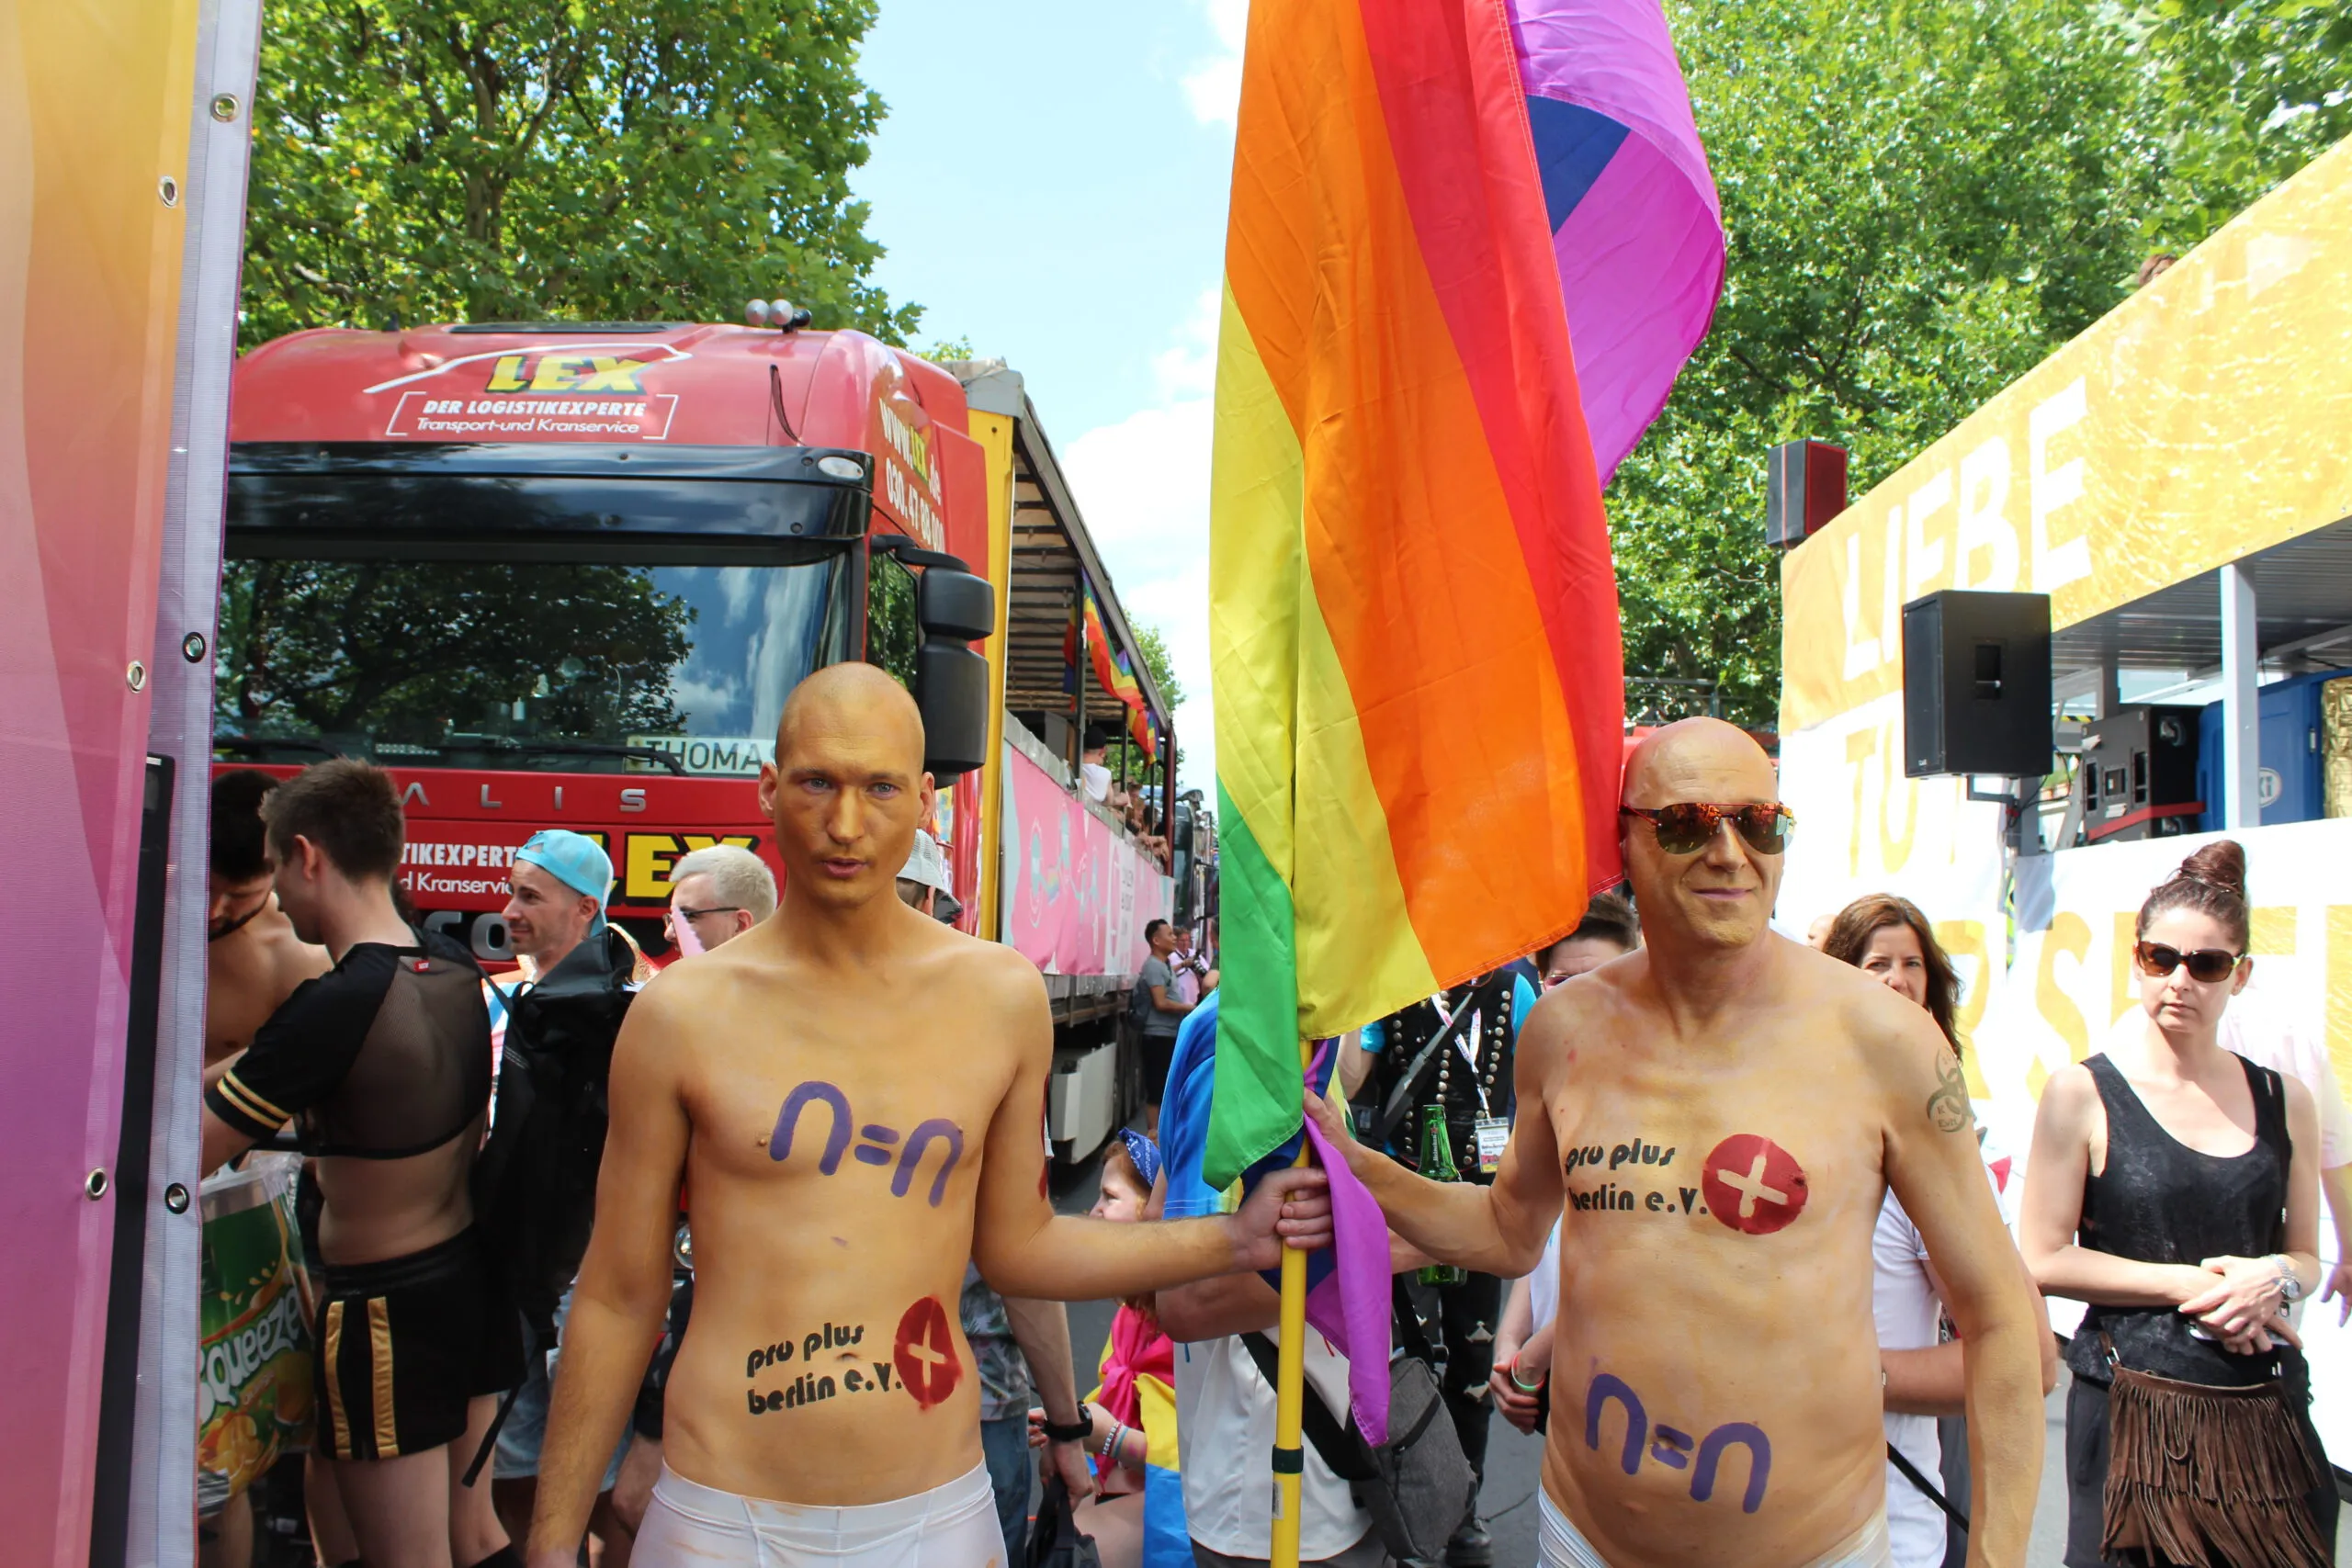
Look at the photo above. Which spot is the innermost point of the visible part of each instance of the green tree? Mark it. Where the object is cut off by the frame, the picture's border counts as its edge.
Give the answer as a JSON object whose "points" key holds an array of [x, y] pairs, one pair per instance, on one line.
{"points": [[1917, 210], [434, 654], [1921, 206], [485, 159], [1154, 648], [2244, 93]]}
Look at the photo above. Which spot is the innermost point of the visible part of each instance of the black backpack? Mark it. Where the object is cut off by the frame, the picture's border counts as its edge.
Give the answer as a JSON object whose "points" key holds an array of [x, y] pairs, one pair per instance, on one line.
{"points": [[535, 1185], [1139, 1004]]}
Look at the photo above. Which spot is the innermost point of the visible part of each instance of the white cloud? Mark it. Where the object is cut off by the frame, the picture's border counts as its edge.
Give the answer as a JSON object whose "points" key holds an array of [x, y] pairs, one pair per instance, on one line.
{"points": [[1213, 86], [1143, 486]]}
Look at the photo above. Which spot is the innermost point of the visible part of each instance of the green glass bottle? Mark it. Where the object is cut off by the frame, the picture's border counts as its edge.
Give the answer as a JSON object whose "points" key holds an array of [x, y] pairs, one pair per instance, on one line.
{"points": [[1437, 1164]]}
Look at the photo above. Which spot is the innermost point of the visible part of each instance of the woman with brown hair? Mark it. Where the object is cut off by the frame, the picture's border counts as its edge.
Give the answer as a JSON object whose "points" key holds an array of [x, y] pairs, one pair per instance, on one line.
{"points": [[2175, 1188], [1920, 1371]]}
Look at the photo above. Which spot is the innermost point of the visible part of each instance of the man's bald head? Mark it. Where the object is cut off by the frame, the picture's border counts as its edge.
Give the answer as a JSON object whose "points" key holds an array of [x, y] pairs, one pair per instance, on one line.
{"points": [[853, 699], [847, 789], [1719, 895], [1698, 759]]}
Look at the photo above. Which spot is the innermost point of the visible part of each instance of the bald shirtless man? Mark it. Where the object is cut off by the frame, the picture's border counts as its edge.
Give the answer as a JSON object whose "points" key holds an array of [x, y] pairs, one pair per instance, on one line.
{"points": [[1724, 1109], [852, 1093]]}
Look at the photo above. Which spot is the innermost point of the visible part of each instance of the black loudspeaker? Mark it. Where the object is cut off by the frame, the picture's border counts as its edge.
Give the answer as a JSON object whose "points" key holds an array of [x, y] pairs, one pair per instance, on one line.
{"points": [[1976, 684], [2140, 774], [1804, 487]]}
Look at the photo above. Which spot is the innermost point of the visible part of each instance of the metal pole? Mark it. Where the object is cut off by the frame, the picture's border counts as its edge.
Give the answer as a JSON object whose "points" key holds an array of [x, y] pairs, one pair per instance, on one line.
{"points": [[1080, 676], [1290, 1384], [2240, 702]]}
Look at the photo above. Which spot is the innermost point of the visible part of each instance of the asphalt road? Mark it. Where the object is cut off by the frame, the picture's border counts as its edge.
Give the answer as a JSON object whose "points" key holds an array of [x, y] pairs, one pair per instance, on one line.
{"points": [[1514, 1463]]}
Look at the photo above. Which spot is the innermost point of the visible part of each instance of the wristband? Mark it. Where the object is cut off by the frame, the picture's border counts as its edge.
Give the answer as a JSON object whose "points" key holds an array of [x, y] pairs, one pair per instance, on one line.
{"points": [[1522, 1385], [1076, 1431], [1110, 1441]]}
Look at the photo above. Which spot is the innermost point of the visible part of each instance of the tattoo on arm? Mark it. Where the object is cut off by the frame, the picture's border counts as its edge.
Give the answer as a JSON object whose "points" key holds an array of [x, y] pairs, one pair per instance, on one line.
{"points": [[1948, 1108]]}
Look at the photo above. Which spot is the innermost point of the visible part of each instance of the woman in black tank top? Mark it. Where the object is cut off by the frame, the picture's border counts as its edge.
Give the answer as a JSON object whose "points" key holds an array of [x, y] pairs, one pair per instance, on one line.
{"points": [[2144, 1200]]}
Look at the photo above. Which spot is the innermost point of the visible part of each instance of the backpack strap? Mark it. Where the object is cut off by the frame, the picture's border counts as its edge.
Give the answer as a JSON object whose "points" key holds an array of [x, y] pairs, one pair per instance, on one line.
{"points": [[1934, 1494], [1339, 1445], [1408, 1322]]}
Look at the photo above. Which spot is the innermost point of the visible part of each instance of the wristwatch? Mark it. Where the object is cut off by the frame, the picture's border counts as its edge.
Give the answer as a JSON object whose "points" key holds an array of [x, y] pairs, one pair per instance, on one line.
{"points": [[1076, 1431], [2290, 1284]]}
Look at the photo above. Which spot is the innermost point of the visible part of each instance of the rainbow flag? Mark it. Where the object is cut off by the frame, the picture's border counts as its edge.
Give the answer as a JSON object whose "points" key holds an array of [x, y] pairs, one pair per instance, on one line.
{"points": [[1112, 671], [1413, 615]]}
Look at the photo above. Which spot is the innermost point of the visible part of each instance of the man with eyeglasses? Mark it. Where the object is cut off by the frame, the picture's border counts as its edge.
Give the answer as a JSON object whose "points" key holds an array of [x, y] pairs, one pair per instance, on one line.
{"points": [[1713, 1120], [716, 895]]}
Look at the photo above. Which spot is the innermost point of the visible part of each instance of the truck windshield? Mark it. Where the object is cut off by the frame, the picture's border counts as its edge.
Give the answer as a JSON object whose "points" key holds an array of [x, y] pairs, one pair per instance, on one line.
{"points": [[523, 621], [568, 665]]}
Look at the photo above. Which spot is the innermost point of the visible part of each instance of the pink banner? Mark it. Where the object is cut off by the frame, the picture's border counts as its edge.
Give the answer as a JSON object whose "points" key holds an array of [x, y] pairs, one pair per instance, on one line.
{"points": [[97, 99], [1076, 895]]}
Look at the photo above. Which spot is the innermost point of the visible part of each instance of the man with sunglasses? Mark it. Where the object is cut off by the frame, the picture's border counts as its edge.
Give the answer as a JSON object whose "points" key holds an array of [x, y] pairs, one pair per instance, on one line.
{"points": [[1723, 1111], [716, 893]]}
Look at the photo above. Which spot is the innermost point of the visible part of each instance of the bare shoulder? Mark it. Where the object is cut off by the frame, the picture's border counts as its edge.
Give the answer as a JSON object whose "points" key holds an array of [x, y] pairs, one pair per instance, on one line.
{"points": [[995, 976], [293, 961], [1895, 1040], [2301, 1106], [2069, 1100], [686, 988], [1587, 1010]]}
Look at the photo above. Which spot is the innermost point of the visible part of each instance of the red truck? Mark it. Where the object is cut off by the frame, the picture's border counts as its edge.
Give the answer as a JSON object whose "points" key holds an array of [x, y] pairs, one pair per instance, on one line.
{"points": [[563, 574]]}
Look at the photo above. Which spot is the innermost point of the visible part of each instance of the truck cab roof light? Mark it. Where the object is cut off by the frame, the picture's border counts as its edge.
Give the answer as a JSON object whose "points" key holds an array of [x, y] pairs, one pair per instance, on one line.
{"points": [[781, 314]]}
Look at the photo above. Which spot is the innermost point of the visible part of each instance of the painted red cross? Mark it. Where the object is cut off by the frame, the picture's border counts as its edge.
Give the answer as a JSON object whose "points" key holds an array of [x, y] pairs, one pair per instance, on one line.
{"points": [[924, 1353], [1752, 1184]]}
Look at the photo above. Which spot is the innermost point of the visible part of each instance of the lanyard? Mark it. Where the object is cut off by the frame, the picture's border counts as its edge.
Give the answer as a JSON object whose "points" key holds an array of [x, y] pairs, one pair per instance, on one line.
{"points": [[1464, 1044]]}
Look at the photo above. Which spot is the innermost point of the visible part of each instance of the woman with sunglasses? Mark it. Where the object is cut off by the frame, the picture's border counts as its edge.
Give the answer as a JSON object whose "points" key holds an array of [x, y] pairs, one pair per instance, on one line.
{"points": [[2174, 1186], [1888, 938]]}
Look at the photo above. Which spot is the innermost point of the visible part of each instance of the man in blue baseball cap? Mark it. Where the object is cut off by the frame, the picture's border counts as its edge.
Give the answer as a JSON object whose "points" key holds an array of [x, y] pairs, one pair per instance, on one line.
{"points": [[555, 923], [558, 884]]}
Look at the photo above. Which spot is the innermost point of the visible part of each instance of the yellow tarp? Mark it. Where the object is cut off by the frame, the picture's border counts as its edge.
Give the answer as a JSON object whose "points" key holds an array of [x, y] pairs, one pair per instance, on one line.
{"points": [[2207, 417]]}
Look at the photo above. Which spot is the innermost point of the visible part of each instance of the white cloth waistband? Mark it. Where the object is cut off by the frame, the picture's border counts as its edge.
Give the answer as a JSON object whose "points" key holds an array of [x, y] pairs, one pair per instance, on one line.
{"points": [[1559, 1544], [953, 1526]]}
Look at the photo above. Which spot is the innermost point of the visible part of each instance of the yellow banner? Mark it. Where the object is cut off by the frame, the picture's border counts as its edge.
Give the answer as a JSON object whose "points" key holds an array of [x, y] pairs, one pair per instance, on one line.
{"points": [[2199, 421]]}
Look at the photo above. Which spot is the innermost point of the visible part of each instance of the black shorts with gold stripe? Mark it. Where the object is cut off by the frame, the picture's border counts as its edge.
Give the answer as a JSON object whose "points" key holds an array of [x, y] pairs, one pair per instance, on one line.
{"points": [[404, 1345]]}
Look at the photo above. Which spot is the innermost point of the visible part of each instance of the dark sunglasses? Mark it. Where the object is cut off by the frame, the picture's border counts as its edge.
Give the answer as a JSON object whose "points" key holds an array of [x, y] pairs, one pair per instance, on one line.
{"points": [[1686, 827], [2206, 965]]}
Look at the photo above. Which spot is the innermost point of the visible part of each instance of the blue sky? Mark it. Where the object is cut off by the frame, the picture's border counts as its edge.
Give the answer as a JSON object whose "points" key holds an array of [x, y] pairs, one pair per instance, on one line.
{"points": [[1051, 183]]}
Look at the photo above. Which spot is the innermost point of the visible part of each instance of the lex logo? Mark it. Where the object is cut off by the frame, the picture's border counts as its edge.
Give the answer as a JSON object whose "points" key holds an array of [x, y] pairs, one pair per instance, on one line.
{"points": [[565, 373]]}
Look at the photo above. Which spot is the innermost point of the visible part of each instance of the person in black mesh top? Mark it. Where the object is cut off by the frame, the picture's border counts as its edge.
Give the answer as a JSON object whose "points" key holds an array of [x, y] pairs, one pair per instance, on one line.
{"points": [[381, 1068]]}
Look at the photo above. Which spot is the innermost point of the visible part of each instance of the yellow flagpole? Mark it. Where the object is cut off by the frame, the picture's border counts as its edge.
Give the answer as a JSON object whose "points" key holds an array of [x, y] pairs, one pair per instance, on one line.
{"points": [[1290, 1382]]}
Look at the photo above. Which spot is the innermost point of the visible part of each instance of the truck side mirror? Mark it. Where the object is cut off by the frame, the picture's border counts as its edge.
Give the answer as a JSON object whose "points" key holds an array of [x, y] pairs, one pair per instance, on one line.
{"points": [[951, 680]]}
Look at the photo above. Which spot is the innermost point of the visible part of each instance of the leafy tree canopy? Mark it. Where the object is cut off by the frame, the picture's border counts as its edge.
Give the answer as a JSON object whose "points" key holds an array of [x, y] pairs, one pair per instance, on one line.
{"points": [[1920, 207], [488, 160], [431, 654]]}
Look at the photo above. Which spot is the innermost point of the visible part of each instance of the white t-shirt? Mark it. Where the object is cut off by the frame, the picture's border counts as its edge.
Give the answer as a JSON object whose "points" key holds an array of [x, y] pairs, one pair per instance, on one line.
{"points": [[1097, 779], [2271, 1036], [1909, 1317], [1904, 1303], [1225, 1436], [1544, 1286]]}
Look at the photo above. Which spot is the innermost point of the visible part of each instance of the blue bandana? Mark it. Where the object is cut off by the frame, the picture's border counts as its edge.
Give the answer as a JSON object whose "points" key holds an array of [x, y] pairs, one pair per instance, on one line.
{"points": [[1144, 1153]]}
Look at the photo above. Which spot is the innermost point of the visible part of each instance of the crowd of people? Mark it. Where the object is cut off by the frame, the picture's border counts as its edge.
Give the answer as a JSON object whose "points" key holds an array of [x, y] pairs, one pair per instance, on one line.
{"points": [[1633, 1177]]}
